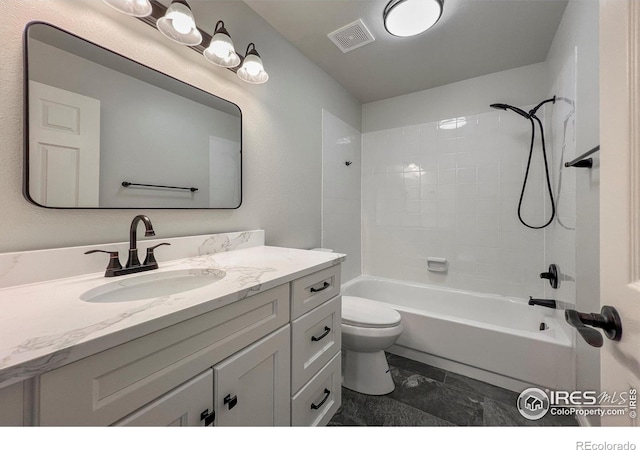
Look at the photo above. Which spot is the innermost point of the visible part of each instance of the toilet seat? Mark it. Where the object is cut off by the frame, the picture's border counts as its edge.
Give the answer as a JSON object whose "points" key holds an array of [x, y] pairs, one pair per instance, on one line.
{"points": [[365, 313]]}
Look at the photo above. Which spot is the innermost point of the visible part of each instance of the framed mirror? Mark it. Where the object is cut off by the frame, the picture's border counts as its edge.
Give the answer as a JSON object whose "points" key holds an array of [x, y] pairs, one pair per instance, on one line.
{"points": [[104, 131]]}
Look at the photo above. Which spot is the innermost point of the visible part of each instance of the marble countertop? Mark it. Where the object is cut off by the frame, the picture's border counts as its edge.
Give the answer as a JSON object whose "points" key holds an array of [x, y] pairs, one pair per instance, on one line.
{"points": [[46, 325]]}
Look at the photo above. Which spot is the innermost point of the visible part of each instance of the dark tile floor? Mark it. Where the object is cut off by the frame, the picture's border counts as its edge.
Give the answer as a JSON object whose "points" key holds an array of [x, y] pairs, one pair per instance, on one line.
{"points": [[428, 396]]}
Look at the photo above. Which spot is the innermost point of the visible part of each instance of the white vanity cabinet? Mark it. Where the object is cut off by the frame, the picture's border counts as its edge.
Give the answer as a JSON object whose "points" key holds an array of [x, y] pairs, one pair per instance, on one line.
{"points": [[270, 359], [250, 388], [106, 387], [316, 339]]}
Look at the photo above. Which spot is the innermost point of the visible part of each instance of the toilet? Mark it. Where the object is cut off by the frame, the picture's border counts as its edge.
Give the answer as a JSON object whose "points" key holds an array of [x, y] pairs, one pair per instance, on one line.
{"points": [[368, 328]]}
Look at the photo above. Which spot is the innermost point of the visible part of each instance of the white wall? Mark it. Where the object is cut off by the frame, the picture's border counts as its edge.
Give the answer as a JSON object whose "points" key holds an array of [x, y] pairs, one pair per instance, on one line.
{"points": [[341, 226], [429, 191], [282, 135], [573, 70]]}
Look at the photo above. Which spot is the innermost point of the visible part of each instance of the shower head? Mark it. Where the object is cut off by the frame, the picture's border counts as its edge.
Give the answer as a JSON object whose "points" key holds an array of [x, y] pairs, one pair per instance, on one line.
{"points": [[504, 107]]}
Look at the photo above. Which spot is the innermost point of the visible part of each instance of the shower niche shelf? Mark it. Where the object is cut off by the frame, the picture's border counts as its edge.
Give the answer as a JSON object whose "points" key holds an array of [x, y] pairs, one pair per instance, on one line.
{"points": [[437, 264]]}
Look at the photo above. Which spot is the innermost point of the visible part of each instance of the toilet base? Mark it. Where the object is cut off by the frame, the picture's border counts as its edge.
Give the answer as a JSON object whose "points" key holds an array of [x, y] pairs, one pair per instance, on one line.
{"points": [[366, 372]]}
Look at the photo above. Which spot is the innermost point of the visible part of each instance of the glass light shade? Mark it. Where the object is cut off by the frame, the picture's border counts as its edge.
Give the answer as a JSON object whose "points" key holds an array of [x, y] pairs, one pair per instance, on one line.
{"points": [[411, 17], [136, 8], [252, 70], [221, 51], [178, 25]]}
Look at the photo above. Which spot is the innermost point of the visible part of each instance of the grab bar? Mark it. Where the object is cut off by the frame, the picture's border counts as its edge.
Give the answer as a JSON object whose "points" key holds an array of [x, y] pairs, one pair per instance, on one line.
{"points": [[128, 183]]}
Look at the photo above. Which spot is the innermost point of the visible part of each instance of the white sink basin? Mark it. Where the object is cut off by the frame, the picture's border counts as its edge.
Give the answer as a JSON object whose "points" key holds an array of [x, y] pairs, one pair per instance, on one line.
{"points": [[152, 285]]}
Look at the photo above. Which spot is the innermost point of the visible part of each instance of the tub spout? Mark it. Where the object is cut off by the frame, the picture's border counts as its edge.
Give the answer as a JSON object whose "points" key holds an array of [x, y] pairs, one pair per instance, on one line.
{"points": [[542, 302]]}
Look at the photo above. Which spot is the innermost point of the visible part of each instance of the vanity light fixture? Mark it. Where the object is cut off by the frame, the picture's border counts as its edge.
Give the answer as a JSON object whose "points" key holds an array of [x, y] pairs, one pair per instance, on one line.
{"points": [[252, 70], [221, 51], [405, 18], [136, 8], [179, 25]]}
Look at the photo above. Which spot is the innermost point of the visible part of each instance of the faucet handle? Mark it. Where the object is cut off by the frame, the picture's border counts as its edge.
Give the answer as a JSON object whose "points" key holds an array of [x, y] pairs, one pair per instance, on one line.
{"points": [[114, 261], [150, 258]]}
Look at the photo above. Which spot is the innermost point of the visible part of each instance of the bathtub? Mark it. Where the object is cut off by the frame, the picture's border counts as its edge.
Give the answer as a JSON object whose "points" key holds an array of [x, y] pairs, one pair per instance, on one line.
{"points": [[484, 336]]}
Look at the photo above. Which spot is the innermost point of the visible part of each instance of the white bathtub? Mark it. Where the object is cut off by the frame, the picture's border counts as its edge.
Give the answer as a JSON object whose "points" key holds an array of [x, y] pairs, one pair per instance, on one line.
{"points": [[489, 337]]}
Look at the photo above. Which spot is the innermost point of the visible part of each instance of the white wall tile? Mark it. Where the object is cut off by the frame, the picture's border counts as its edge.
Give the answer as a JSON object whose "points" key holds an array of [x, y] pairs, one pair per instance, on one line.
{"points": [[341, 186], [457, 199]]}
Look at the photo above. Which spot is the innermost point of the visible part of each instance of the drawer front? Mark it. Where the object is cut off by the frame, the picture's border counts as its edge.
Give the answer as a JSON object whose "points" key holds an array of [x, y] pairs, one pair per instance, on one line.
{"points": [[313, 290], [315, 338], [319, 400], [105, 387]]}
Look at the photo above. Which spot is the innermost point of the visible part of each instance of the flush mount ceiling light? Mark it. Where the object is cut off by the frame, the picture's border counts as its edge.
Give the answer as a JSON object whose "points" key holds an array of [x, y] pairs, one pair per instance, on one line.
{"points": [[136, 8], [404, 18], [178, 24], [221, 51], [252, 70]]}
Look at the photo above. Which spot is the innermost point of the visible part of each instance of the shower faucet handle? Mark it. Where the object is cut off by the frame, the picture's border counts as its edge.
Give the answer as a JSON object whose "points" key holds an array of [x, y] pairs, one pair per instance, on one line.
{"points": [[608, 320], [552, 275]]}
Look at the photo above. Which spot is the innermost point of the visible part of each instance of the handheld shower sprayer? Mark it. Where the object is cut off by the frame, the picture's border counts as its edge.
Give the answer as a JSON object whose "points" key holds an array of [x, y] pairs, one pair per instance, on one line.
{"points": [[531, 116], [505, 107]]}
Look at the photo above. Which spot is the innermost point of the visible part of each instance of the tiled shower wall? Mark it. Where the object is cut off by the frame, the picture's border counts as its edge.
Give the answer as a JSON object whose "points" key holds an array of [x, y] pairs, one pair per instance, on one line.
{"points": [[341, 143], [450, 189], [560, 236]]}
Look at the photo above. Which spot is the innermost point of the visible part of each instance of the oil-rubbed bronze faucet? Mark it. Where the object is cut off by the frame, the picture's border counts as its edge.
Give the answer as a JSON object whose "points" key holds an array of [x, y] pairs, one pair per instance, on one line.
{"points": [[133, 260], [115, 269]]}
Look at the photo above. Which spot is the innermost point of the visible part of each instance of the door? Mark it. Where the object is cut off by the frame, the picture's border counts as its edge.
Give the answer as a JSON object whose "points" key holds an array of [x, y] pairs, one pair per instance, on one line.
{"points": [[252, 387], [64, 147], [224, 173], [182, 407], [620, 194]]}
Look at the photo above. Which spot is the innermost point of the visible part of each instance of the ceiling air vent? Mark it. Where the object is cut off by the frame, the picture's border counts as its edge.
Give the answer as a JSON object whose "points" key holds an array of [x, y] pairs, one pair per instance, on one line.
{"points": [[351, 36]]}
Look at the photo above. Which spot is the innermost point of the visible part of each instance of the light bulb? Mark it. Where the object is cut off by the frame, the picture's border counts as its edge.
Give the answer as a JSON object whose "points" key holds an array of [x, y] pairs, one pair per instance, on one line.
{"points": [[221, 48], [253, 68], [180, 22]]}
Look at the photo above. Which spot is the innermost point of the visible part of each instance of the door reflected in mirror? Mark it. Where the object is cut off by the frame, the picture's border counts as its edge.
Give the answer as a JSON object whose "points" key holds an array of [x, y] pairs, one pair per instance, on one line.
{"points": [[107, 132]]}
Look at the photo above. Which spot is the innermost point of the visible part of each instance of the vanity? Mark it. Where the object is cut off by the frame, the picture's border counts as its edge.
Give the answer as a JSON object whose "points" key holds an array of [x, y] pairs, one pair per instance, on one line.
{"points": [[227, 332]]}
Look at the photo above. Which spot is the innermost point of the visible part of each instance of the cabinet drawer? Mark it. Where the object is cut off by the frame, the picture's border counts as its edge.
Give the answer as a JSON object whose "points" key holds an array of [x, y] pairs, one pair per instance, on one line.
{"points": [[315, 338], [313, 290], [106, 387], [319, 400]]}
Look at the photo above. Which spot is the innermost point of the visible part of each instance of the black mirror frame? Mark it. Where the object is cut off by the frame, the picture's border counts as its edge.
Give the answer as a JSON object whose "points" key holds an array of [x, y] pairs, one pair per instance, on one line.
{"points": [[25, 175]]}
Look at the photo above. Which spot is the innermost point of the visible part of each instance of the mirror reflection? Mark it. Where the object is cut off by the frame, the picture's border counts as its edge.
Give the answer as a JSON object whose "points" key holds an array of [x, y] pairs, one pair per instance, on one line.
{"points": [[107, 132]]}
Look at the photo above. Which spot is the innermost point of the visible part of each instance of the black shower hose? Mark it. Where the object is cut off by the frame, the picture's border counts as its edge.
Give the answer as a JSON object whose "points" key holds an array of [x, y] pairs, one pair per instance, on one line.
{"points": [[526, 175]]}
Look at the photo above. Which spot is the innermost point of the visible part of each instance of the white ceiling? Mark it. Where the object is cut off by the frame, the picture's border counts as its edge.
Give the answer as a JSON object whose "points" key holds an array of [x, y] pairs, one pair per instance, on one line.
{"points": [[472, 38]]}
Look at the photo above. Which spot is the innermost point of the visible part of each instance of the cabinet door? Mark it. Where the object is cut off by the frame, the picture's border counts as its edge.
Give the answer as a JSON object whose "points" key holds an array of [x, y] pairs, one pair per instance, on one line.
{"points": [[11, 409], [181, 407], [252, 387]]}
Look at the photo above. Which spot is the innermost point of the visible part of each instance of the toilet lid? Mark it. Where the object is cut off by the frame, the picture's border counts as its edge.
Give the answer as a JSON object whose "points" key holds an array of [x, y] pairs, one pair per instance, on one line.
{"points": [[362, 312]]}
